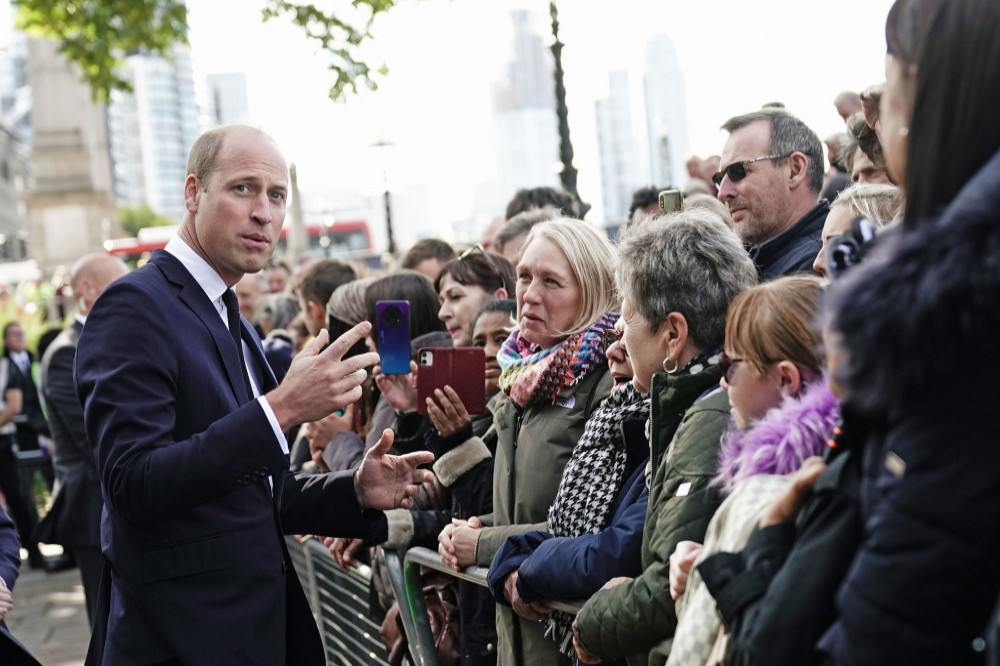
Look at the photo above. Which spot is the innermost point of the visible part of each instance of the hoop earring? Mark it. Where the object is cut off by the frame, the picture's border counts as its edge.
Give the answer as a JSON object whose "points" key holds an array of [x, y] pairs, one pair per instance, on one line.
{"points": [[667, 370]]}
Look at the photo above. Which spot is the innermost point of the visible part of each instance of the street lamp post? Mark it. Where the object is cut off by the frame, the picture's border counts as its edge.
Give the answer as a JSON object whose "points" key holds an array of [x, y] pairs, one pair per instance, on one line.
{"points": [[568, 173], [381, 143]]}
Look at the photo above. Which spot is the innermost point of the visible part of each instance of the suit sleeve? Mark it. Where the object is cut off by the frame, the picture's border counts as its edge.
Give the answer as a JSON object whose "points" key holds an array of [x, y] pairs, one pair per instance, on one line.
{"points": [[136, 372], [62, 399]]}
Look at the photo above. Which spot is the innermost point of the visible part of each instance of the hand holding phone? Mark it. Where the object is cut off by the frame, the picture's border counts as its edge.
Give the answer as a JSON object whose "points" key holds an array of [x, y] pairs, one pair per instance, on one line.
{"points": [[393, 320], [461, 368]]}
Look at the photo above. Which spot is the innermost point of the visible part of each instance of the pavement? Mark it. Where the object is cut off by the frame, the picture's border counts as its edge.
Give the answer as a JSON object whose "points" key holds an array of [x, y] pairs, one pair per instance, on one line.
{"points": [[49, 616]]}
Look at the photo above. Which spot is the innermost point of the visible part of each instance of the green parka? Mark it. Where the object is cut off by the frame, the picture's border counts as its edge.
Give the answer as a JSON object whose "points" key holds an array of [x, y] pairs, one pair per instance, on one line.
{"points": [[533, 447], [684, 448]]}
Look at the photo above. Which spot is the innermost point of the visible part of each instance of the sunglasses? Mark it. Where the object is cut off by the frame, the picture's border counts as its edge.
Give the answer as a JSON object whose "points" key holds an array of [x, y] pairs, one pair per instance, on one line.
{"points": [[480, 250], [611, 336], [737, 171], [727, 363]]}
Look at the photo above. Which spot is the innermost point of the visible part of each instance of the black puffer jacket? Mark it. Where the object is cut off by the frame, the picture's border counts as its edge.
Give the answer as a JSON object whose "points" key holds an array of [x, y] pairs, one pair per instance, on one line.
{"points": [[920, 322]]}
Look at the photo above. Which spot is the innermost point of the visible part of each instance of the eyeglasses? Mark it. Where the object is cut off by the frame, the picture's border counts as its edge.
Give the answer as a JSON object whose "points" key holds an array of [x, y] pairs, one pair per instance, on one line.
{"points": [[727, 363], [480, 250], [611, 336], [737, 171]]}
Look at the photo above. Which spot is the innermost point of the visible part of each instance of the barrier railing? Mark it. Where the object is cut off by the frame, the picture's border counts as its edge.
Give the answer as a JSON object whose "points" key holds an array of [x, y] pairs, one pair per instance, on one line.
{"points": [[339, 601]]}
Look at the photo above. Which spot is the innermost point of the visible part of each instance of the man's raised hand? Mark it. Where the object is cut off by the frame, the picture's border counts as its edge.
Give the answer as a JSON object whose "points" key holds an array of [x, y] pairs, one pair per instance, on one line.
{"points": [[320, 381], [385, 481]]}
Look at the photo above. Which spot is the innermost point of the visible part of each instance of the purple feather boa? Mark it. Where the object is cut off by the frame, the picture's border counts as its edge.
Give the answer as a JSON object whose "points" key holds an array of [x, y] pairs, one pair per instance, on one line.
{"points": [[777, 444]]}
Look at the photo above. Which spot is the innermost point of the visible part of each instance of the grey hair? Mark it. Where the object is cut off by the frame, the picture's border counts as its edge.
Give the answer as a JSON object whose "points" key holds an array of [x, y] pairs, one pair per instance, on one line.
{"points": [[522, 223], [788, 135], [688, 262]]}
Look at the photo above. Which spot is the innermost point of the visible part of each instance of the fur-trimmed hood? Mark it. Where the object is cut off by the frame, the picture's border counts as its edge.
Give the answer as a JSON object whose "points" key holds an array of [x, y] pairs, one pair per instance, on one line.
{"points": [[777, 444], [919, 317]]}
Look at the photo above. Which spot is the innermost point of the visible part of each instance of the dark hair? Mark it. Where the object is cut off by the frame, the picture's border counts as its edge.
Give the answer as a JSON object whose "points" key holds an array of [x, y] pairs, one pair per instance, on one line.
{"points": [[488, 271], [644, 196], [521, 224], [322, 278], [540, 197], [953, 129], [410, 286], [788, 135], [428, 248], [508, 306], [8, 326]]}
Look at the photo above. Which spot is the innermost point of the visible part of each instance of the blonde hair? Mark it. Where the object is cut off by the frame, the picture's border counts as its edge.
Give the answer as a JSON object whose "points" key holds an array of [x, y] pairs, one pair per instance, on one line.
{"points": [[592, 260], [875, 202], [776, 321]]}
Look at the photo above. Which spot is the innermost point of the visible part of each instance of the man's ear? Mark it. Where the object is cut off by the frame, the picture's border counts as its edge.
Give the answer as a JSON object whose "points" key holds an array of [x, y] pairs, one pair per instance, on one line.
{"points": [[798, 169], [192, 193], [500, 293], [317, 312]]}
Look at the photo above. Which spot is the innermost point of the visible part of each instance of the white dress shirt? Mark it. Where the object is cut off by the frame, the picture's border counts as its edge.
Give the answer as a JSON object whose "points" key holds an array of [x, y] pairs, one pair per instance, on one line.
{"points": [[213, 286]]}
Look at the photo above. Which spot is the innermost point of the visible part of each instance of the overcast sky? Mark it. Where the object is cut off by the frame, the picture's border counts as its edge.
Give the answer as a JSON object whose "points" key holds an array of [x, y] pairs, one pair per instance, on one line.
{"points": [[444, 55]]}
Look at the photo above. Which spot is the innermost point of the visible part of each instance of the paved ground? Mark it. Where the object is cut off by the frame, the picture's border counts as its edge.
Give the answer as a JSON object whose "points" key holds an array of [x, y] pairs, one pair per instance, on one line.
{"points": [[49, 616]]}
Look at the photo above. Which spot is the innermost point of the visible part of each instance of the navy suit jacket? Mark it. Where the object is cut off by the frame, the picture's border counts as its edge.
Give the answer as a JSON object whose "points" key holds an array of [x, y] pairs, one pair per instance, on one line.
{"points": [[199, 568]]}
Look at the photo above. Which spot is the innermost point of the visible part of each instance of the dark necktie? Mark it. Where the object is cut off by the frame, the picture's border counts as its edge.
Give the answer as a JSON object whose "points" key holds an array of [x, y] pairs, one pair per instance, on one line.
{"points": [[233, 313]]}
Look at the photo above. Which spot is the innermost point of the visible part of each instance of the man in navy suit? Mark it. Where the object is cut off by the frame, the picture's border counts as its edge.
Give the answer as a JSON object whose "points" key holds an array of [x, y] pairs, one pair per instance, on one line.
{"points": [[186, 426]]}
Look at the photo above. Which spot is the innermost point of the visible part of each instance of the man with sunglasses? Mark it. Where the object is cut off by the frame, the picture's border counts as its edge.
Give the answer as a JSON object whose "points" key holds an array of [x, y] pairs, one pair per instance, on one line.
{"points": [[771, 173]]}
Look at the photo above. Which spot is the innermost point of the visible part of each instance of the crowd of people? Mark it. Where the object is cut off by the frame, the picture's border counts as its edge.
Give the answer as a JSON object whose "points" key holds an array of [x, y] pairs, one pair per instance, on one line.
{"points": [[750, 431]]}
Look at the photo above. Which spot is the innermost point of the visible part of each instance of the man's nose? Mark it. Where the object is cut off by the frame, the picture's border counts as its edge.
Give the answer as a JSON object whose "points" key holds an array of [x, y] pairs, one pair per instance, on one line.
{"points": [[727, 190], [262, 208]]}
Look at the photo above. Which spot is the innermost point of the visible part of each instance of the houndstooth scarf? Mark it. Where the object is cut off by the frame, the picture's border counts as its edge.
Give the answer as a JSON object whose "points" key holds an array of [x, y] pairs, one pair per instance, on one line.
{"points": [[538, 376], [591, 480]]}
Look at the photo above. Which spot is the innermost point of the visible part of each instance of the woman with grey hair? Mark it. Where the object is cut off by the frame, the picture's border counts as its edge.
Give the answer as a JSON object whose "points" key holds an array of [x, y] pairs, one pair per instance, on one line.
{"points": [[676, 275]]}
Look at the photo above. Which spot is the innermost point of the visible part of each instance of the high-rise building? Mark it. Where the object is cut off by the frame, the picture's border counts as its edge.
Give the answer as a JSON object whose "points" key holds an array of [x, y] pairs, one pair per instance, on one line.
{"points": [[151, 130], [666, 113], [617, 150], [227, 98], [524, 117]]}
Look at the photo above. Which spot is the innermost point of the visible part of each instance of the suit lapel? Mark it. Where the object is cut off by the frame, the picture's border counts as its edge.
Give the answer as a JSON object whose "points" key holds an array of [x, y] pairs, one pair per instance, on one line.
{"points": [[193, 296]]}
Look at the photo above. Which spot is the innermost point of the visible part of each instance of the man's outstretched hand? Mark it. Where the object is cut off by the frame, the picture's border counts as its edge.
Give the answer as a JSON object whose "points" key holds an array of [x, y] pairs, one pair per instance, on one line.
{"points": [[385, 481]]}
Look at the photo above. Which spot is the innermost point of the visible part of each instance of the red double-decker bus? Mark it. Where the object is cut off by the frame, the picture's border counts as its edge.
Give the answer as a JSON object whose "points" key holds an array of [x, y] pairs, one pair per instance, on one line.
{"points": [[345, 240]]}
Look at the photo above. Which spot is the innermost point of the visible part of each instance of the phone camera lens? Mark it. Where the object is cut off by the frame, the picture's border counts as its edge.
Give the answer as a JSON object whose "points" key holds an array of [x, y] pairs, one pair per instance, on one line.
{"points": [[392, 316]]}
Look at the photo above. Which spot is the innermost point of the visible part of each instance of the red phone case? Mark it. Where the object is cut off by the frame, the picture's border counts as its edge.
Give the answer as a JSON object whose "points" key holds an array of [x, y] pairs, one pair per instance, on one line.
{"points": [[462, 368]]}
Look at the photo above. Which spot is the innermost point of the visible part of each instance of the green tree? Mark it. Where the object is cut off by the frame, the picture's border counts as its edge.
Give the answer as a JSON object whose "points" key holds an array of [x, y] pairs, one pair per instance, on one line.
{"points": [[140, 217], [97, 34]]}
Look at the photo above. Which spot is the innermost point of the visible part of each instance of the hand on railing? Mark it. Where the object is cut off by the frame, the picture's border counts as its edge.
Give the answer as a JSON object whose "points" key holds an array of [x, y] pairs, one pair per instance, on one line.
{"points": [[581, 652], [344, 551], [534, 611], [681, 561], [457, 542]]}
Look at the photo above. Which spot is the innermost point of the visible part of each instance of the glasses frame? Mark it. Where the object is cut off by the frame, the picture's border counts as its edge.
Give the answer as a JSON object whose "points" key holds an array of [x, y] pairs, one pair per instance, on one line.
{"points": [[611, 336], [479, 249], [737, 170], [727, 363]]}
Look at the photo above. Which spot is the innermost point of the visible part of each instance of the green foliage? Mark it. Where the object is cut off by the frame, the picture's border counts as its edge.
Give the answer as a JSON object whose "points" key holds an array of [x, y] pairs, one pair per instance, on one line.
{"points": [[97, 34], [340, 36], [134, 219]]}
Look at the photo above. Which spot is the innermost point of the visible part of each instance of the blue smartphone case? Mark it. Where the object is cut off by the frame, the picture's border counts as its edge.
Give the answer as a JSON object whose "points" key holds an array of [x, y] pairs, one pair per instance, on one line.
{"points": [[393, 319]]}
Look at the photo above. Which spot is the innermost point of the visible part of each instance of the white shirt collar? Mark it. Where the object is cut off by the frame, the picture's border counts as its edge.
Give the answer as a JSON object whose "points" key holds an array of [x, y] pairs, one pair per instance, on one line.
{"points": [[82, 319], [202, 272]]}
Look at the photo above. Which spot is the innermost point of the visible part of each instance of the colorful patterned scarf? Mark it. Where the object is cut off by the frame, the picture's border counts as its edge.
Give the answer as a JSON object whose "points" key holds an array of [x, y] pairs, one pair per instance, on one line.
{"points": [[538, 376]]}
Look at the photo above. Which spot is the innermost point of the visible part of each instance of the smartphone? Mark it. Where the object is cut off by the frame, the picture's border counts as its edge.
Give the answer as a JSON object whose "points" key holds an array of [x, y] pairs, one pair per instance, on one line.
{"points": [[462, 368], [671, 201], [393, 319]]}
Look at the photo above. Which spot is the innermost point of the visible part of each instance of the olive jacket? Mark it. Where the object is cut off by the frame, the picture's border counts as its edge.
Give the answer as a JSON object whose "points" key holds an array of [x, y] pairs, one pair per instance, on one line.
{"points": [[688, 417]]}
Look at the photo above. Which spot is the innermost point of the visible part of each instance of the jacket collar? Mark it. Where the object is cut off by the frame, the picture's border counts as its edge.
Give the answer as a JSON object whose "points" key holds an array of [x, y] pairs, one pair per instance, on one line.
{"points": [[768, 252]]}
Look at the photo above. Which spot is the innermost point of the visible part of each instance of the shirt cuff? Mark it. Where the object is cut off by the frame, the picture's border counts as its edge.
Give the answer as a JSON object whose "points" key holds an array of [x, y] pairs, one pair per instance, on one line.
{"points": [[273, 420]]}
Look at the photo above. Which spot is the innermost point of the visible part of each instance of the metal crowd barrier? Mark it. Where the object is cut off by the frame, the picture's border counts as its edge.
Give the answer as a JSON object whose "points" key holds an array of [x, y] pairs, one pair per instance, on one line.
{"points": [[339, 601]]}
